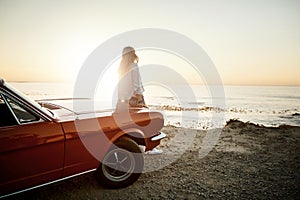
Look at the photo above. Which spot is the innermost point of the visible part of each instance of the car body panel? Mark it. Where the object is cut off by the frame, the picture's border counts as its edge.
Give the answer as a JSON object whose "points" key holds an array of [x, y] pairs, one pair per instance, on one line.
{"points": [[31, 154], [64, 144]]}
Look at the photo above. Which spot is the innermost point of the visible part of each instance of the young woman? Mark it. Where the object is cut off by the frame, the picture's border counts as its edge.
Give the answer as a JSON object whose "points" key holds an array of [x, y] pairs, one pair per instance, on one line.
{"points": [[130, 87]]}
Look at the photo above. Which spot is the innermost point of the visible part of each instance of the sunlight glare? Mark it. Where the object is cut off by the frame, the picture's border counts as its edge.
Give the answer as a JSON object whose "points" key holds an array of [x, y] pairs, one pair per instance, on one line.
{"points": [[107, 85]]}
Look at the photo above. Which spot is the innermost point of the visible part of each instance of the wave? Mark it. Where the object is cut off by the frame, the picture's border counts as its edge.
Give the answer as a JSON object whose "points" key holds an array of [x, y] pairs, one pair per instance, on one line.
{"points": [[196, 103], [179, 108], [282, 97], [289, 112]]}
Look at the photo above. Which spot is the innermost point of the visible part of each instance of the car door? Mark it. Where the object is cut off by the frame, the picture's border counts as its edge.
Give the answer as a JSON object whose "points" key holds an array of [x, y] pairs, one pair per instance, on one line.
{"points": [[31, 148]]}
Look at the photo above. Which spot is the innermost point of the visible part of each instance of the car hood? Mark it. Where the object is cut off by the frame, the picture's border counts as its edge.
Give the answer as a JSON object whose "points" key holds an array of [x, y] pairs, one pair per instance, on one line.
{"points": [[69, 110], [64, 109]]}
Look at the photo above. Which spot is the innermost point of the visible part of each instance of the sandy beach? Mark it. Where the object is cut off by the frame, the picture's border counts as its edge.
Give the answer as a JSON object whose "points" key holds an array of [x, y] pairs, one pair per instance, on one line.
{"points": [[248, 162]]}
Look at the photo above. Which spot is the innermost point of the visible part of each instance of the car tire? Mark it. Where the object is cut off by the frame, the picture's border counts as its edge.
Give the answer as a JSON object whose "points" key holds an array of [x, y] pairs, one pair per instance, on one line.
{"points": [[122, 165]]}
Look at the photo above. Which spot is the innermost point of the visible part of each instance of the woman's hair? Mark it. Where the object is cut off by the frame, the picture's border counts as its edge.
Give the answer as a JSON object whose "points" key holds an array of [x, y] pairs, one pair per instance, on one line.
{"points": [[128, 57]]}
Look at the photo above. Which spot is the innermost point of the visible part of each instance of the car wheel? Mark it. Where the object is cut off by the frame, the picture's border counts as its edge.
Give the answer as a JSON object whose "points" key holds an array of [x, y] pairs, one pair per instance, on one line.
{"points": [[122, 165]]}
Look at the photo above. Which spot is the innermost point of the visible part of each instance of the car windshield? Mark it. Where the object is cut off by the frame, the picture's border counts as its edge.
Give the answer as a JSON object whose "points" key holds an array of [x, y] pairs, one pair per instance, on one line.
{"points": [[26, 98]]}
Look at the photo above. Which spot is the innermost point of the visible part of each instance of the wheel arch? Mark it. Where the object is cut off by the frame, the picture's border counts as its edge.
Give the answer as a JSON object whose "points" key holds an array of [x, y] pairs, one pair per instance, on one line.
{"points": [[135, 134]]}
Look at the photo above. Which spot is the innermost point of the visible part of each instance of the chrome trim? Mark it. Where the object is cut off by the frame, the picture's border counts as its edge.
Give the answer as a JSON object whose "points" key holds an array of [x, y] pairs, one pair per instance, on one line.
{"points": [[159, 137], [58, 180]]}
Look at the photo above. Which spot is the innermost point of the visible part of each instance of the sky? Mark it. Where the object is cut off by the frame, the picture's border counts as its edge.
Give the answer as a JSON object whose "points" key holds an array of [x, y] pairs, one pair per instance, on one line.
{"points": [[251, 42]]}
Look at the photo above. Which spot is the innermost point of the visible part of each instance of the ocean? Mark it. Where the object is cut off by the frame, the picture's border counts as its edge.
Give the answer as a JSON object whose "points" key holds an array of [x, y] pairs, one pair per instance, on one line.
{"points": [[265, 105]]}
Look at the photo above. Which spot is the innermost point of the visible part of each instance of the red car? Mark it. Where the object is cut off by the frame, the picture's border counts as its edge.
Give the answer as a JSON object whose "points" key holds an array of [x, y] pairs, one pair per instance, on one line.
{"points": [[42, 143]]}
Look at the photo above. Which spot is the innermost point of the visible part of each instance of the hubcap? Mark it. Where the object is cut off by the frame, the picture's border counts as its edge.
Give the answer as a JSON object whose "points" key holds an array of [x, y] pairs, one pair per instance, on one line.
{"points": [[118, 164]]}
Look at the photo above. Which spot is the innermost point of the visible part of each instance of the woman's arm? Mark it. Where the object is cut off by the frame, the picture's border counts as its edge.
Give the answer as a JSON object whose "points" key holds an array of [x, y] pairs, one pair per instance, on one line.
{"points": [[136, 80]]}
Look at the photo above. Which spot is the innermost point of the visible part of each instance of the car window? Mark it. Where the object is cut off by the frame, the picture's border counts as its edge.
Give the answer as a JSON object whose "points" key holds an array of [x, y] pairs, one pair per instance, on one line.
{"points": [[6, 116], [26, 98], [23, 115]]}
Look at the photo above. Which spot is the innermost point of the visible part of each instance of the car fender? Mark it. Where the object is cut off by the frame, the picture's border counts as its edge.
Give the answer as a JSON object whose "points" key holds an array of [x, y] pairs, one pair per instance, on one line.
{"points": [[134, 133]]}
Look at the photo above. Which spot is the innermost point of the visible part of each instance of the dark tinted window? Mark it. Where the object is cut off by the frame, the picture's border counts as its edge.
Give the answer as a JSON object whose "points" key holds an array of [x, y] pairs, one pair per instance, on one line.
{"points": [[6, 116]]}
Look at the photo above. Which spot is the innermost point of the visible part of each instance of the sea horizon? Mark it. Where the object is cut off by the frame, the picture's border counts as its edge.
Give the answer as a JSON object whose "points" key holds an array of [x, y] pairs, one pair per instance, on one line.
{"points": [[265, 105]]}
